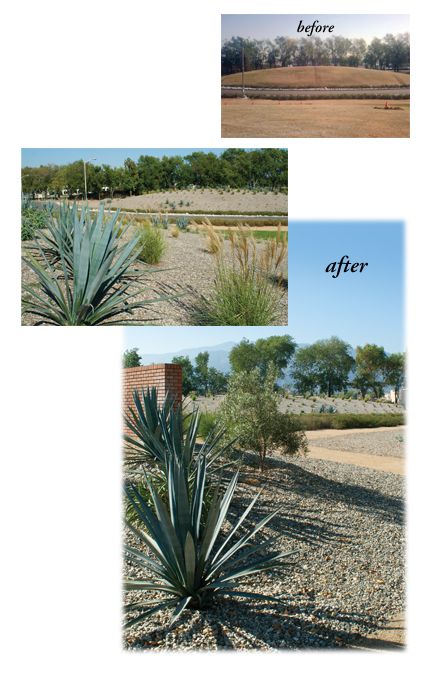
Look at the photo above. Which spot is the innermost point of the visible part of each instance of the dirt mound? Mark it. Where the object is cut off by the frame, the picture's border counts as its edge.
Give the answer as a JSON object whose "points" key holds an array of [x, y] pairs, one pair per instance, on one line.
{"points": [[319, 76]]}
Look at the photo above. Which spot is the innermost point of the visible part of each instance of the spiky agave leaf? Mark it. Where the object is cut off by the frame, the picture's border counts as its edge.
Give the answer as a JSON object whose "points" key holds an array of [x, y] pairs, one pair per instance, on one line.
{"points": [[191, 563], [160, 430], [91, 283]]}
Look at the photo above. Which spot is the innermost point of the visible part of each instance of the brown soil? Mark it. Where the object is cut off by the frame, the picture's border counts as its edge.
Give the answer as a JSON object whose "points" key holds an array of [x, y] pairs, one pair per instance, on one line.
{"points": [[313, 119], [318, 76]]}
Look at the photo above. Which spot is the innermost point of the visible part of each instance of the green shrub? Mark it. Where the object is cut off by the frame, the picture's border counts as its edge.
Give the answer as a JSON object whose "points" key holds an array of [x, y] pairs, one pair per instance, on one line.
{"points": [[32, 219], [207, 423], [250, 414], [151, 243], [312, 422]]}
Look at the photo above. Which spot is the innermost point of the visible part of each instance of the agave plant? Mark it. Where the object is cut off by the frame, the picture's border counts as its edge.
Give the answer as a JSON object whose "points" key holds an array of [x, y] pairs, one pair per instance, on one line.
{"points": [[92, 281], [56, 241], [162, 431], [191, 563]]}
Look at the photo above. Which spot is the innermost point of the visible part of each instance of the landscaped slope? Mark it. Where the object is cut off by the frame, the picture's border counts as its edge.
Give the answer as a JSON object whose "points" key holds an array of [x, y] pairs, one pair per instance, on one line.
{"points": [[319, 76]]}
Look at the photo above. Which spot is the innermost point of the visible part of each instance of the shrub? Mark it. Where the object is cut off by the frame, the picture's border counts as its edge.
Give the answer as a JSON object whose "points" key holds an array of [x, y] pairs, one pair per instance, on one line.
{"points": [[311, 422], [327, 409], [207, 423], [191, 564], [175, 232], [32, 219], [250, 414], [151, 244]]}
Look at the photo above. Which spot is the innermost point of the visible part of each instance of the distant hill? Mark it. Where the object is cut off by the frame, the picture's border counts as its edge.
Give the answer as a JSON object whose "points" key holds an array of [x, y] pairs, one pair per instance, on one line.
{"points": [[319, 76], [219, 355]]}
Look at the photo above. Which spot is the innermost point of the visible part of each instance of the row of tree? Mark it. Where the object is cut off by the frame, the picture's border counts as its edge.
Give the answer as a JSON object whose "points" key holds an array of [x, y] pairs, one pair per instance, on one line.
{"points": [[198, 377], [393, 51], [236, 168], [327, 366]]}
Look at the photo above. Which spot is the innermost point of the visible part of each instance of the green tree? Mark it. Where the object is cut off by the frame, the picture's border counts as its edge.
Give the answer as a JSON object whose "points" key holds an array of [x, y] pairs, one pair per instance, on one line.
{"points": [[250, 414], [276, 350], [131, 358], [201, 372], [394, 371], [370, 368], [324, 365], [188, 374]]}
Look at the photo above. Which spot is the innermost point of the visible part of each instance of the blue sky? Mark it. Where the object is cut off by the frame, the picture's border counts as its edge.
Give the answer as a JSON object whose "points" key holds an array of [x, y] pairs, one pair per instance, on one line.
{"points": [[261, 26], [112, 156], [357, 307]]}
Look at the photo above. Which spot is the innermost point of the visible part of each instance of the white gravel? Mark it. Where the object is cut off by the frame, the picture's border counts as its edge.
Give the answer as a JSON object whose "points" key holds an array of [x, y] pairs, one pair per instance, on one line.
{"points": [[347, 524]]}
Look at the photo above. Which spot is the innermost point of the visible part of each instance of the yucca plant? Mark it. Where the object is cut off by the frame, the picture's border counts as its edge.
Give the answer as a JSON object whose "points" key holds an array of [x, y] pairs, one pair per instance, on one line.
{"points": [[189, 563], [90, 284], [160, 431], [56, 242]]}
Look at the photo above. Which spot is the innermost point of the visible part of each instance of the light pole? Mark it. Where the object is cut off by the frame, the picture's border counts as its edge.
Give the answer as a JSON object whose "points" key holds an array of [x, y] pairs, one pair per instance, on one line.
{"points": [[85, 162]]}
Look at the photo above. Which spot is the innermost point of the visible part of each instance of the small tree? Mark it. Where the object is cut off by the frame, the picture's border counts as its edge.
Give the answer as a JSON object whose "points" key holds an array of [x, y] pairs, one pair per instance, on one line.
{"points": [[131, 358], [395, 372], [250, 414]]}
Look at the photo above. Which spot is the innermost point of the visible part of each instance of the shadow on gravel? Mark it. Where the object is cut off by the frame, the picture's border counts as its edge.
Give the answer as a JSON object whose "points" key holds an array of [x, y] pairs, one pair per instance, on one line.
{"points": [[303, 482], [284, 627]]}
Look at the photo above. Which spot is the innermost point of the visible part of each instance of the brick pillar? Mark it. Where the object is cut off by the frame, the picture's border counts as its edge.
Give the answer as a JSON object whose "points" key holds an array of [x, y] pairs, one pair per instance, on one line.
{"points": [[166, 377]]}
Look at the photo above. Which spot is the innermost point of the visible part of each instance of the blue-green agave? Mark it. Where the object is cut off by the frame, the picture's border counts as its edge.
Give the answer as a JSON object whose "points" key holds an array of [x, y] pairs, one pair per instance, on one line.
{"points": [[187, 562], [85, 272]]}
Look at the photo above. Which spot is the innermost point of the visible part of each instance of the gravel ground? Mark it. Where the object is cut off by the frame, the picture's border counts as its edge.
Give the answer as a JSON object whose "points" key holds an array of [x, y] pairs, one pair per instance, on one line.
{"points": [[346, 523], [383, 443], [298, 404], [205, 201], [186, 270]]}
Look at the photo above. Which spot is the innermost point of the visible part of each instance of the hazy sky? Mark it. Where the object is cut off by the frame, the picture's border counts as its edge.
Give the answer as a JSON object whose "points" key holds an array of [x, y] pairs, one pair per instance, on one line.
{"points": [[358, 308], [112, 156], [261, 26]]}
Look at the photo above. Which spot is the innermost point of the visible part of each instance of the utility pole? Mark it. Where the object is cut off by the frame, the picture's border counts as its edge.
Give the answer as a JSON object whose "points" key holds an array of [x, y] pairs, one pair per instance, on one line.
{"points": [[242, 77]]}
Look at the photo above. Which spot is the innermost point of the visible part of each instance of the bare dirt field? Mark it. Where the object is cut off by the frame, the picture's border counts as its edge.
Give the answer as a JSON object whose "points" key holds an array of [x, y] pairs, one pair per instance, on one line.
{"points": [[318, 76], [243, 118], [185, 273], [204, 201]]}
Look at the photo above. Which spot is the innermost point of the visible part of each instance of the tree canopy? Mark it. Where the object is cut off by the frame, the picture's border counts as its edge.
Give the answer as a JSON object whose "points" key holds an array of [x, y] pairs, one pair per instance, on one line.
{"points": [[393, 51], [277, 349], [236, 168], [324, 365]]}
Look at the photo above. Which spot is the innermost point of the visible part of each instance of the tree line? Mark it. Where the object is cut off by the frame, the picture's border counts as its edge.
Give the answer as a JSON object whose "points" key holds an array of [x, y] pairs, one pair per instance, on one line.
{"points": [[391, 52], [327, 367], [235, 168]]}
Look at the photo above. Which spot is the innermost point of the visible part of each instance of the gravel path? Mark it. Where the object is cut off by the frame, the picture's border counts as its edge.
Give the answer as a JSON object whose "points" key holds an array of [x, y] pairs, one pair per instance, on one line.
{"points": [[382, 443], [347, 524], [186, 271]]}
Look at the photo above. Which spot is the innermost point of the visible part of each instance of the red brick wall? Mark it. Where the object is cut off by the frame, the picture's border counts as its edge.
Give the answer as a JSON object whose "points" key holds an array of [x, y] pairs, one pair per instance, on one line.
{"points": [[167, 378]]}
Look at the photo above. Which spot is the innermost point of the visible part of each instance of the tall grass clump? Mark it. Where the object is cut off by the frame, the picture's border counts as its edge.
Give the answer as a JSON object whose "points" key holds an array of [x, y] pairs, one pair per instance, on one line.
{"points": [[244, 291], [151, 243], [86, 277]]}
